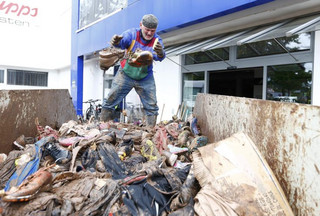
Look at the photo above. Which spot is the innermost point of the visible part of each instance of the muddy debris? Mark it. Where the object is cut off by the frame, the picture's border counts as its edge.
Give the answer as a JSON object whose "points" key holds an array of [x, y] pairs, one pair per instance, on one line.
{"points": [[101, 168], [112, 168]]}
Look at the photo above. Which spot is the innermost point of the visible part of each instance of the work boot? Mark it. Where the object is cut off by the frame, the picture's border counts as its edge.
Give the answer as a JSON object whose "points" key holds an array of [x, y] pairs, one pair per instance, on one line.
{"points": [[106, 115], [59, 154], [151, 121]]}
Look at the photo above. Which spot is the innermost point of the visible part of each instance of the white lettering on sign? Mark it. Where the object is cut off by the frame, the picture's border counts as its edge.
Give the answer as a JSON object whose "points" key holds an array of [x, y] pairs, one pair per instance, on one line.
{"points": [[17, 9]]}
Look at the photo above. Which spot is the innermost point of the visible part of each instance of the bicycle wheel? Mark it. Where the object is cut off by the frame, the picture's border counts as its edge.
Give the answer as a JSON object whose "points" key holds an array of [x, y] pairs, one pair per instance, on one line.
{"points": [[89, 113], [98, 111]]}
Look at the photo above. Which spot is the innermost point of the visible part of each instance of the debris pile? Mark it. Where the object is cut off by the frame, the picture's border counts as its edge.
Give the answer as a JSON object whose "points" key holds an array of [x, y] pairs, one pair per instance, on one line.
{"points": [[109, 168], [102, 168]]}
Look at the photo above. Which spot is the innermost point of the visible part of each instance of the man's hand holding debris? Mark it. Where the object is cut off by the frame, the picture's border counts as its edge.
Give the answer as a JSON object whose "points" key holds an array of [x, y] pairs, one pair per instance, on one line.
{"points": [[115, 40]]}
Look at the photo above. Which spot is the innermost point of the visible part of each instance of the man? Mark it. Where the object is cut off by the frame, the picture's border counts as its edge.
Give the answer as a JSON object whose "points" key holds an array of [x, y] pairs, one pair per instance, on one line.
{"points": [[138, 77]]}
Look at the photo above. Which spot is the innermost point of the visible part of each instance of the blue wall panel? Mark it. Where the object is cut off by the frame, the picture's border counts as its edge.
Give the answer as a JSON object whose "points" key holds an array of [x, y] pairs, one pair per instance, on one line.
{"points": [[172, 14]]}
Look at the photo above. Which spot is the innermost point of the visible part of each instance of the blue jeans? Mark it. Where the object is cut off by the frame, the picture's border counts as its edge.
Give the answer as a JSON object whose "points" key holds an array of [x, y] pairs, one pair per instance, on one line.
{"points": [[122, 85]]}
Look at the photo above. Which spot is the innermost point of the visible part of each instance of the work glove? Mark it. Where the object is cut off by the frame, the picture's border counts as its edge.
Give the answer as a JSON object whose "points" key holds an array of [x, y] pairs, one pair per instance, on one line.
{"points": [[115, 40], [158, 49]]}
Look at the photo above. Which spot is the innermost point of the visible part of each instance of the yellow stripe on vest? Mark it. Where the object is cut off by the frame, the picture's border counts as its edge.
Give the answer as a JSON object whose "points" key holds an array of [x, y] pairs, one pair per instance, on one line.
{"points": [[131, 46]]}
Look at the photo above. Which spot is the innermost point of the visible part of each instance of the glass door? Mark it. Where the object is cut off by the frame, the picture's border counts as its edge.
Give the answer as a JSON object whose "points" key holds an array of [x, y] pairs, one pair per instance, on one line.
{"points": [[192, 83]]}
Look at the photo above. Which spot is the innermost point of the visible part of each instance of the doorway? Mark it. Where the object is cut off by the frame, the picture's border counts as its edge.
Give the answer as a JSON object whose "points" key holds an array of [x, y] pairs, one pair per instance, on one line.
{"points": [[246, 82]]}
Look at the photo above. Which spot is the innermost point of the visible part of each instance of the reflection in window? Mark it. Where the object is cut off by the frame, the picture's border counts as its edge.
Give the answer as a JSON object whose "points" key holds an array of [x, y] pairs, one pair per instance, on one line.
{"points": [[290, 83], [221, 54], [1, 76], [193, 83], [91, 11], [270, 47]]}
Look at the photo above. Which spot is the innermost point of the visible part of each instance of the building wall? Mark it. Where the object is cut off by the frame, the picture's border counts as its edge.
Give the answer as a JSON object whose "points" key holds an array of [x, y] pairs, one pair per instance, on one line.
{"points": [[168, 82], [92, 82], [60, 79]]}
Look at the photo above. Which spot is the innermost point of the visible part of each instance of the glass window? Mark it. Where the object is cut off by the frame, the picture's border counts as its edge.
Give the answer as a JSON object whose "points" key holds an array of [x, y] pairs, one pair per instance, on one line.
{"points": [[290, 83], [91, 11], [245, 82], [29, 78], [221, 54], [193, 83], [294, 43], [1, 76]]}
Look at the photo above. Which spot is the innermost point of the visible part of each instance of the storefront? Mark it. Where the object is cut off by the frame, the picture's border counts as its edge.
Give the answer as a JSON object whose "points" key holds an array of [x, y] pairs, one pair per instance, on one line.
{"points": [[271, 62]]}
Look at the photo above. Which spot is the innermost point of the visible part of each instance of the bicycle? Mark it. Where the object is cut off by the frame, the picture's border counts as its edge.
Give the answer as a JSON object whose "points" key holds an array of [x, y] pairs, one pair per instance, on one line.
{"points": [[93, 110]]}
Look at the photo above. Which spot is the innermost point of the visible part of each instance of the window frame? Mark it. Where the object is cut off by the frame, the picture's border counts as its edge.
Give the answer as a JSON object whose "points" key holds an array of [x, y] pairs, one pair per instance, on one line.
{"points": [[3, 76], [27, 78]]}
